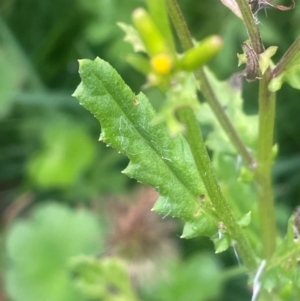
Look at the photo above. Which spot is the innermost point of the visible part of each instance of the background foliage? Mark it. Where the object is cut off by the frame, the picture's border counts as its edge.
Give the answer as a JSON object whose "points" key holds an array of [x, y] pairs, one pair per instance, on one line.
{"points": [[52, 164]]}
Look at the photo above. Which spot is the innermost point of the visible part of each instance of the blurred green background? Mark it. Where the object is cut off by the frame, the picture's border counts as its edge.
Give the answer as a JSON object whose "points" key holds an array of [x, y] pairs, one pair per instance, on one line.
{"points": [[61, 191]]}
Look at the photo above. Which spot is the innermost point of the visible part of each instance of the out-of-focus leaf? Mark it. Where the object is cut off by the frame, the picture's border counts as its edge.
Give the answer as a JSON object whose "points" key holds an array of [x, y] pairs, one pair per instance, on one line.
{"points": [[39, 250], [183, 92], [232, 102], [102, 279], [232, 5], [196, 279], [132, 37], [67, 151], [10, 77], [290, 75]]}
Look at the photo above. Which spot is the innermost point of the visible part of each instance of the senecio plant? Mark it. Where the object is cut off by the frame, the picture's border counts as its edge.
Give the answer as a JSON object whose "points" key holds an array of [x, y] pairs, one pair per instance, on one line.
{"points": [[228, 195]]}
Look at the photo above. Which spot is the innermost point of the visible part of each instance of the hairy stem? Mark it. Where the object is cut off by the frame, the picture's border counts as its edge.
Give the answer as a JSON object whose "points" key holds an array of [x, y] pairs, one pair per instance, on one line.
{"points": [[251, 26], [206, 89], [267, 102], [263, 177], [180, 25], [197, 145], [287, 58], [223, 119]]}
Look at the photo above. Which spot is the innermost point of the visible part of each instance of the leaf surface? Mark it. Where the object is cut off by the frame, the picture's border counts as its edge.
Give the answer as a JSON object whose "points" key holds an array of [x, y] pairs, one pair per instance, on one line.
{"points": [[156, 159]]}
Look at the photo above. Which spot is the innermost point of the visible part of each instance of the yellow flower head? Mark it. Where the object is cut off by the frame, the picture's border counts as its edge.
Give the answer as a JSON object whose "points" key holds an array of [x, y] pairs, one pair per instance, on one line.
{"points": [[162, 63]]}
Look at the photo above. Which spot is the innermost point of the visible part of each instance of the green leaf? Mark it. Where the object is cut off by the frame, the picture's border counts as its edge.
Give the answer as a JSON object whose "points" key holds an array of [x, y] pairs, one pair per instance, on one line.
{"points": [[11, 77], [139, 63], [291, 75], [283, 271], [230, 97], [198, 278], [246, 175], [265, 58], [155, 158], [240, 195], [132, 36], [105, 279], [245, 220], [222, 243], [39, 250], [276, 83], [67, 150], [183, 92], [205, 225]]}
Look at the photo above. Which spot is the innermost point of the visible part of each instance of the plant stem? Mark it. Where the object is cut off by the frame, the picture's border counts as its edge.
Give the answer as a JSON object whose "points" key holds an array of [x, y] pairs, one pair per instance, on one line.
{"points": [[202, 160], [263, 170], [251, 26], [223, 119], [263, 179], [206, 89], [287, 58], [179, 23], [197, 145]]}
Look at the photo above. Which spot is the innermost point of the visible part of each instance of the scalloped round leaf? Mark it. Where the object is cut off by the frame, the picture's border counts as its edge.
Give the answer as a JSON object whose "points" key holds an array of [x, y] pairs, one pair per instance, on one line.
{"points": [[67, 150], [198, 278], [102, 278], [39, 250]]}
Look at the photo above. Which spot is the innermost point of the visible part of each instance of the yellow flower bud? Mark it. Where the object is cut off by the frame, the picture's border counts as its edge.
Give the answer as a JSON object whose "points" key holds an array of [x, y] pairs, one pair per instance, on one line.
{"points": [[162, 63]]}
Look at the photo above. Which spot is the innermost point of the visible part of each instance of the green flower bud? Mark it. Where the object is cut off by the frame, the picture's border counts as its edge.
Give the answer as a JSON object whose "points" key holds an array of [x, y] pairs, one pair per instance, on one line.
{"points": [[200, 54], [150, 34]]}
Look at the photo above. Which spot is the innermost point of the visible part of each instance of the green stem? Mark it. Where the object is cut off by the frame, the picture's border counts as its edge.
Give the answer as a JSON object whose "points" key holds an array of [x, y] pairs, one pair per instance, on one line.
{"points": [[206, 89], [195, 140], [263, 170], [263, 177], [179, 23], [251, 26], [223, 119], [202, 160], [267, 102], [287, 58]]}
